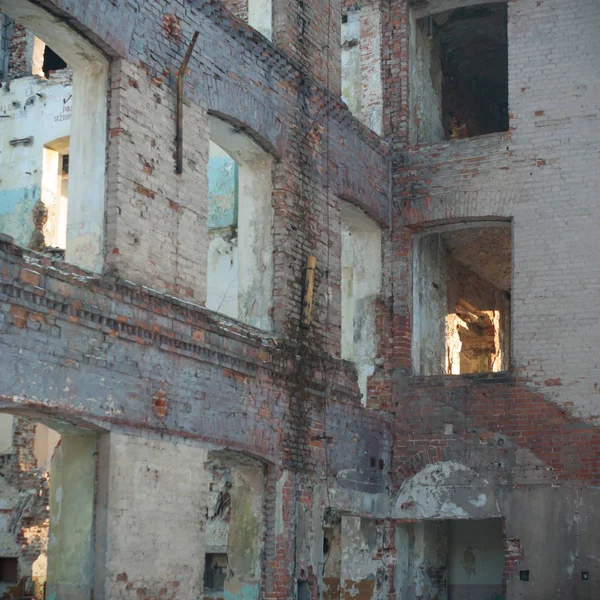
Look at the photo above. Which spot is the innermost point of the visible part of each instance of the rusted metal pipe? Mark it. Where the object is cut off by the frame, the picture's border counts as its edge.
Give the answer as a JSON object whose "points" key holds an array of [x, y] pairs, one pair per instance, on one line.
{"points": [[309, 284], [179, 137]]}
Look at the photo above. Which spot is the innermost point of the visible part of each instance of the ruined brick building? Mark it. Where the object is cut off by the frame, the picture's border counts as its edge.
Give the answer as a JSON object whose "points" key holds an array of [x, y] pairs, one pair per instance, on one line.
{"points": [[189, 409]]}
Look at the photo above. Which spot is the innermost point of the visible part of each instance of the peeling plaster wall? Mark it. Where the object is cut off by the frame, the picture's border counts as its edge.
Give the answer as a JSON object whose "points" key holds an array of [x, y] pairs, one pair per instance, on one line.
{"points": [[431, 305], [425, 68], [245, 543], [361, 286], [332, 567], [362, 568], [446, 490], [361, 65], [30, 107]]}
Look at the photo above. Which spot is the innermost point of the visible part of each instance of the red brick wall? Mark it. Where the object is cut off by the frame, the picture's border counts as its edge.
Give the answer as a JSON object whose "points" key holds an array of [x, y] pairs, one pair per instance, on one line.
{"points": [[17, 62]]}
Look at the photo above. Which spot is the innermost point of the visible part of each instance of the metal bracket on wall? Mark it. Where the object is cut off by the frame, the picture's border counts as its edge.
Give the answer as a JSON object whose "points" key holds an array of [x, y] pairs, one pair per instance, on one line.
{"points": [[180, 75]]}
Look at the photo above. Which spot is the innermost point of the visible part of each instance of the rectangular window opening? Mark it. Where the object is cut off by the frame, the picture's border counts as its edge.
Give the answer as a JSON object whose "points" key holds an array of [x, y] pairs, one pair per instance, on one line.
{"points": [[459, 74], [215, 572], [462, 291], [9, 570], [361, 286], [461, 558]]}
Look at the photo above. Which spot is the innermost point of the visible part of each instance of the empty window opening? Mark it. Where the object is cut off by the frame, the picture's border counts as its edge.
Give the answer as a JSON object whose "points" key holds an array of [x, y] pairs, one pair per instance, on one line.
{"points": [[51, 469], [462, 283], [9, 570], [215, 572], [332, 557], [55, 195], [239, 224], [40, 113], [303, 592], [450, 559], [459, 73], [52, 62], [361, 286], [354, 560], [361, 65]]}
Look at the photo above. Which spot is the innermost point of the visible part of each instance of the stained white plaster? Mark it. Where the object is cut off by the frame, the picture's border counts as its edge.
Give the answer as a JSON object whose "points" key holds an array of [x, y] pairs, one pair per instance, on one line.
{"points": [[281, 483], [39, 109], [253, 257], [222, 271], [44, 444], [371, 79], [351, 63], [85, 230], [6, 433], [260, 16], [446, 490], [361, 284], [359, 545]]}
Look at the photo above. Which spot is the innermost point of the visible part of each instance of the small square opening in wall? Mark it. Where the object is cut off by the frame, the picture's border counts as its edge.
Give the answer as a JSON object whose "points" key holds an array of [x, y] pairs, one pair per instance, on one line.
{"points": [[524, 575], [9, 570], [215, 572], [304, 590]]}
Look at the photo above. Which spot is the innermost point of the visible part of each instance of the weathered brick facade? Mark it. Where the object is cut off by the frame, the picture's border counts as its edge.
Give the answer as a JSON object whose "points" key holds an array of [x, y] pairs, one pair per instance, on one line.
{"points": [[172, 389]]}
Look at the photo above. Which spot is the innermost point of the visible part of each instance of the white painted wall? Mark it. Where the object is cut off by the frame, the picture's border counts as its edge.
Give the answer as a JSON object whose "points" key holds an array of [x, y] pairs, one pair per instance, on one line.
{"points": [[36, 108], [260, 16], [476, 559], [70, 538], [361, 284], [85, 230], [6, 433]]}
